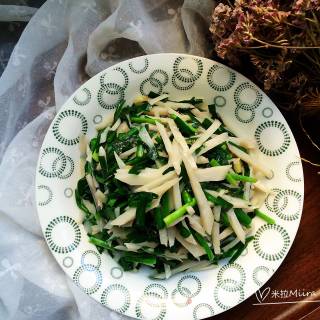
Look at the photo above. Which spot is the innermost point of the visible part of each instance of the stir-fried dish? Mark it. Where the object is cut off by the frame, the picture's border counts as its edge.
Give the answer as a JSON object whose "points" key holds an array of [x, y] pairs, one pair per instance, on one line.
{"points": [[167, 184]]}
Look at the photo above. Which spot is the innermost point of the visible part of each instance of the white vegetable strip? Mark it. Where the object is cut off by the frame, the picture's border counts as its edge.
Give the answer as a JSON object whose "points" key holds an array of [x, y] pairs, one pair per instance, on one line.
{"points": [[196, 225], [164, 178], [252, 162], [217, 213], [176, 113], [158, 111], [175, 105], [92, 188], [116, 125], [136, 246], [152, 127], [178, 136], [191, 240], [171, 236], [231, 244], [258, 198], [145, 137], [82, 164], [145, 176], [89, 154], [200, 114], [167, 143], [123, 127], [212, 174], [225, 233], [180, 255], [160, 190], [181, 141], [178, 220], [95, 229], [202, 160], [212, 143], [247, 143], [229, 123], [190, 210], [120, 162], [215, 238], [126, 154], [203, 205], [196, 250], [236, 226], [107, 121], [118, 232], [83, 154], [140, 99], [157, 99], [89, 206], [95, 182], [125, 217], [83, 145], [176, 196], [100, 196], [103, 137], [167, 270], [206, 135], [247, 191], [237, 165], [202, 266], [163, 236], [260, 186], [176, 157]]}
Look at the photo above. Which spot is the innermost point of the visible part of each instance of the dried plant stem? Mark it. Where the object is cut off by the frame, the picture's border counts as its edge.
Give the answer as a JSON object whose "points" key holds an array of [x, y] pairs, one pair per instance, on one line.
{"points": [[307, 134], [312, 163], [268, 45]]}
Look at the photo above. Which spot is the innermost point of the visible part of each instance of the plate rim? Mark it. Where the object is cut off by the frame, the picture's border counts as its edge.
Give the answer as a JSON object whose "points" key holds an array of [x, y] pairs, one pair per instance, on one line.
{"points": [[174, 55]]}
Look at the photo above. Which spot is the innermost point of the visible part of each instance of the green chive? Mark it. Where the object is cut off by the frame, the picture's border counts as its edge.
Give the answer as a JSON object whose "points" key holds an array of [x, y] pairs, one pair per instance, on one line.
{"points": [[143, 120], [264, 217], [241, 248], [231, 180], [174, 216], [165, 203], [186, 196], [99, 243], [203, 243], [218, 201], [185, 232], [158, 219], [140, 151], [206, 123], [240, 177], [185, 128], [243, 218], [224, 219]]}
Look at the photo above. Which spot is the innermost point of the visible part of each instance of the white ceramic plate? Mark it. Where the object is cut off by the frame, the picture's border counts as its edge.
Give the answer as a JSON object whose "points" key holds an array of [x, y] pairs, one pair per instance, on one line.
{"points": [[185, 296]]}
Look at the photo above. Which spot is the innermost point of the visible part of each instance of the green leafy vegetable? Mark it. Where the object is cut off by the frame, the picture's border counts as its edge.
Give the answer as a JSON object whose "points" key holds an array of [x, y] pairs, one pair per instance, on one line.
{"points": [[184, 127]]}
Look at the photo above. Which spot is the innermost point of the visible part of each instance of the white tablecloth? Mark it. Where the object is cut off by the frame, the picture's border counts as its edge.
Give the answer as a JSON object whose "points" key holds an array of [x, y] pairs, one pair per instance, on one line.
{"points": [[65, 43]]}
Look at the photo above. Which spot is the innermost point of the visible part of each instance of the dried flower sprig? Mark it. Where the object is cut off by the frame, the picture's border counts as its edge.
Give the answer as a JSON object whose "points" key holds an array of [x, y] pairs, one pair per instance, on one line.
{"points": [[278, 41]]}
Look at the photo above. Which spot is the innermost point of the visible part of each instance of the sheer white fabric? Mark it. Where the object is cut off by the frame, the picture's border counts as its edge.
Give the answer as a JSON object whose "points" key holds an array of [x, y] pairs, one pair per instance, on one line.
{"points": [[64, 44]]}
